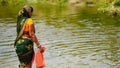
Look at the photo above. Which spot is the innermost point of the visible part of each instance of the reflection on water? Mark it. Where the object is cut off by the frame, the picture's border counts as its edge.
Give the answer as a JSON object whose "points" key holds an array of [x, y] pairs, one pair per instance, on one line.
{"points": [[83, 39]]}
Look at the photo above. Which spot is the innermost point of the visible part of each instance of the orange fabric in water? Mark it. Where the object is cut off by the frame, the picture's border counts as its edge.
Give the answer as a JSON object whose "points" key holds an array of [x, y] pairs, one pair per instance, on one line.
{"points": [[40, 59], [28, 23]]}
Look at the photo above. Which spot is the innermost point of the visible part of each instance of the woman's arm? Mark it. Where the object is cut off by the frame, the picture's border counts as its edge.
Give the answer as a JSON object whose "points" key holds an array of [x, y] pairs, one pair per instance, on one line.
{"points": [[33, 36]]}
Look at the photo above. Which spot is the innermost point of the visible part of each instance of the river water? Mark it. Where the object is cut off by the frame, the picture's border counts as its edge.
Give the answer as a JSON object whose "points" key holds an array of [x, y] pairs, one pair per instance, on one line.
{"points": [[75, 37]]}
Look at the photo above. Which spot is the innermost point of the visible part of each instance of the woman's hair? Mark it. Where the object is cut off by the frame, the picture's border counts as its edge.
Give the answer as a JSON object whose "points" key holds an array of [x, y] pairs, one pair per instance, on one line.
{"points": [[23, 12], [28, 7], [31, 8]]}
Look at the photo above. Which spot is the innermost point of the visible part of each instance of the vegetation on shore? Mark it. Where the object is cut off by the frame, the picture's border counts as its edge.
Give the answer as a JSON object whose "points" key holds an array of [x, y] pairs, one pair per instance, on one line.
{"points": [[111, 7], [106, 6]]}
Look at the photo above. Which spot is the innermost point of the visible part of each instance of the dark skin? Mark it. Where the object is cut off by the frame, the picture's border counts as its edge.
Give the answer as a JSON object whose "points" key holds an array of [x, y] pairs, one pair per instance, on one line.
{"points": [[31, 34]]}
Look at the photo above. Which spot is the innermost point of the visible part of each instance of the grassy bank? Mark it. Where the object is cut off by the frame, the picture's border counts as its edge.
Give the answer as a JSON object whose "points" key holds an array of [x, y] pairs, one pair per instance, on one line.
{"points": [[24, 2], [111, 7]]}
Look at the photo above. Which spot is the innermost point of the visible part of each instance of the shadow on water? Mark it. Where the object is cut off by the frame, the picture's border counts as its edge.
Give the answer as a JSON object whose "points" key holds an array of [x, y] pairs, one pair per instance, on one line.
{"points": [[75, 37]]}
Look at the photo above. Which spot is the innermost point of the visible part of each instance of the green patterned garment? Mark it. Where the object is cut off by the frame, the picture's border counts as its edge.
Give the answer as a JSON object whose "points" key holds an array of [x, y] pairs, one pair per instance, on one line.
{"points": [[24, 46]]}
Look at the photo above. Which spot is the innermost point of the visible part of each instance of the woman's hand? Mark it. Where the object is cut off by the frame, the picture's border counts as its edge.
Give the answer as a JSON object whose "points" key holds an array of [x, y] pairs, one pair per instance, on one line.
{"points": [[41, 48]]}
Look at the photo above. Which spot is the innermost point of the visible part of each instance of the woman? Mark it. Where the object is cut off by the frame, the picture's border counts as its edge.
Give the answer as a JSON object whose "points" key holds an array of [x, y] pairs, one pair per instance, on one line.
{"points": [[25, 37]]}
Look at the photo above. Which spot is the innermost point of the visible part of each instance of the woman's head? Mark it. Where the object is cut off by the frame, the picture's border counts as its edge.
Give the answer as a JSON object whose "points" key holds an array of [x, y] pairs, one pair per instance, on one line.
{"points": [[29, 9], [26, 11]]}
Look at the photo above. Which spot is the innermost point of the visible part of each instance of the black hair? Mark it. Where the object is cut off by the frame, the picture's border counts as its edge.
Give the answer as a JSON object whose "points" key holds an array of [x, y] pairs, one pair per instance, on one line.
{"points": [[31, 8], [25, 13]]}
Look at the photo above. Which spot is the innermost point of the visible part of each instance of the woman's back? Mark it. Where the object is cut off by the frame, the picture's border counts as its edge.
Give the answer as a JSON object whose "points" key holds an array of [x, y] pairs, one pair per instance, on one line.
{"points": [[28, 24]]}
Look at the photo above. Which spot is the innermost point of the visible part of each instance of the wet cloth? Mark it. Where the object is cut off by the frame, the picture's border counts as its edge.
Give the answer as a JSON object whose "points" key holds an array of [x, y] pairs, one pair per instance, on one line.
{"points": [[24, 46], [39, 58]]}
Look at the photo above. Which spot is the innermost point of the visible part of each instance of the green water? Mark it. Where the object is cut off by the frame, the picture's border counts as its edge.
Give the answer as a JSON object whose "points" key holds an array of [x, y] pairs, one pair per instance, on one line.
{"points": [[74, 37]]}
